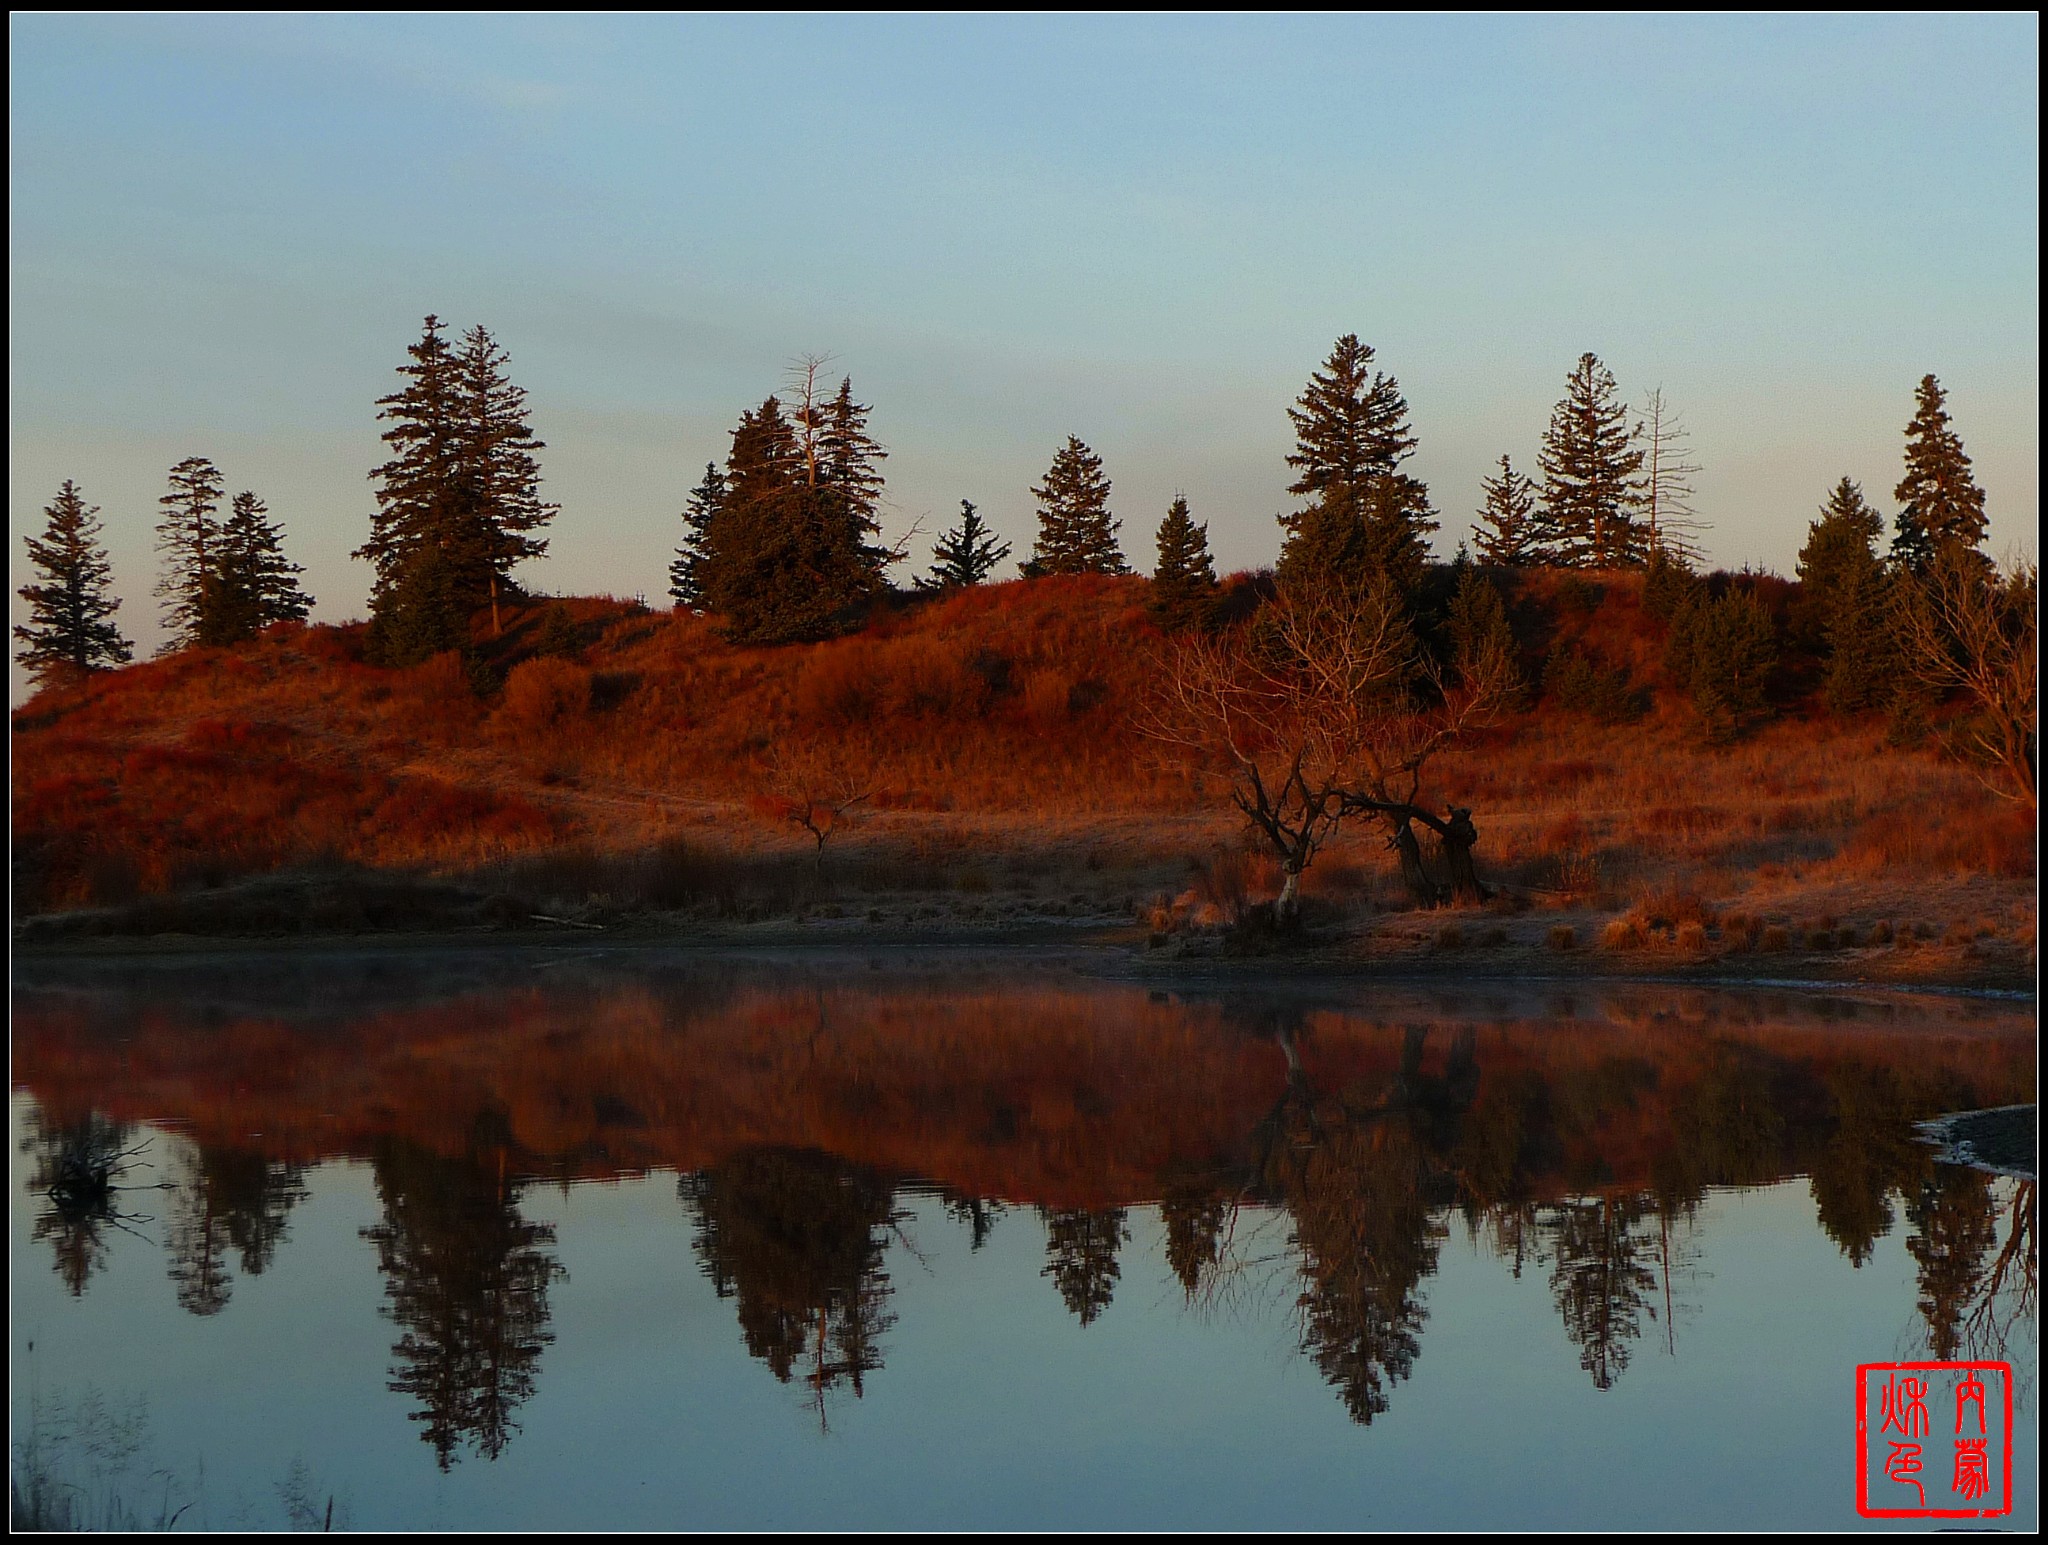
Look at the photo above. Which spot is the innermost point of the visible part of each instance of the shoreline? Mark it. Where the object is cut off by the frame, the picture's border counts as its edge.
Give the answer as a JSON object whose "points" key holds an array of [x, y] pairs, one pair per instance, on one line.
{"points": [[1127, 950]]}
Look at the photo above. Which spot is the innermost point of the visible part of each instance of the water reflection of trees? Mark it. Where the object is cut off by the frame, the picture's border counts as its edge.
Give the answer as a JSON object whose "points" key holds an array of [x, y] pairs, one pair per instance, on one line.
{"points": [[796, 1237], [1081, 1246], [226, 1199], [81, 1170], [467, 1278]]}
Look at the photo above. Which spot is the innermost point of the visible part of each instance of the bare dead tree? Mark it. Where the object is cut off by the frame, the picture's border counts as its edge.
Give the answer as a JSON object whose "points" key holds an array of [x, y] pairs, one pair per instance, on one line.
{"points": [[818, 792], [1326, 706], [1668, 471], [1969, 628]]}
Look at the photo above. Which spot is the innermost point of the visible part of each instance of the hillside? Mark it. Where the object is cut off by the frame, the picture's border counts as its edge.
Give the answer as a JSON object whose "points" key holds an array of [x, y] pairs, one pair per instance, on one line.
{"points": [[640, 764]]}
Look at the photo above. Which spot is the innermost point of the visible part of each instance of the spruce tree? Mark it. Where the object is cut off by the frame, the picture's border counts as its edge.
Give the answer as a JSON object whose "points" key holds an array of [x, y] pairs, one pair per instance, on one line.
{"points": [[966, 555], [1590, 469], [496, 468], [68, 610], [1350, 425], [1506, 535], [1482, 644], [1864, 665], [1360, 513], [783, 560], [414, 542], [685, 574], [1076, 532], [1940, 503], [847, 457], [252, 584], [1183, 593], [1838, 546], [460, 495], [1350, 535], [188, 537]]}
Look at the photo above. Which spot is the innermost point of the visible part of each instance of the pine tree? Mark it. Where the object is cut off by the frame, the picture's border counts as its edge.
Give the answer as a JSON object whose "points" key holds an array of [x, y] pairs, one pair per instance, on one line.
{"points": [[1838, 546], [188, 537], [1482, 644], [685, 574], [1940, 502], [252, 584], [1590, 475], [413, 542], [1361, 514], [1183, 591], [1353, 534], [966, 555], [458, 501], [496, 467], [1348, 429], [783, 560], [847, 457], [68, 611], [1864, 664], [1076, 532], [1506, 535]]}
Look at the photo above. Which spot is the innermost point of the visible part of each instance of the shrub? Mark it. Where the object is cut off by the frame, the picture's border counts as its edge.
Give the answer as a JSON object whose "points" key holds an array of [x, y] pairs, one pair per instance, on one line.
{"points": [[545, 692], [1576, 684], [1562, 937]]}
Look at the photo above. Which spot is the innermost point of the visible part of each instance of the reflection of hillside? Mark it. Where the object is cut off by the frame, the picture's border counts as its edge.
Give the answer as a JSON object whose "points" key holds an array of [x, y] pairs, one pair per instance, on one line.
{"points": [[1056, 1092], [1575, 1133]]}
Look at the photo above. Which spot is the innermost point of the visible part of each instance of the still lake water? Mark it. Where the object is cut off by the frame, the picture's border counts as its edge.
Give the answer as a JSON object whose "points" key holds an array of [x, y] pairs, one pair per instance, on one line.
{"points": [[635, 1239]]}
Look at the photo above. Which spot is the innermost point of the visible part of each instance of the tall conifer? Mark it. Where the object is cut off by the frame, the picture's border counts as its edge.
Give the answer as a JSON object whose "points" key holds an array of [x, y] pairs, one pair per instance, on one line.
{"points": [[252, 584], [1506, 533], [1360, 513], [685, 574], [188, 537], [69, 610], [1842, 540], [1076, 532], [1940, 503], [1183, 591], [496, 467], [1591, 480], [847, 461]]}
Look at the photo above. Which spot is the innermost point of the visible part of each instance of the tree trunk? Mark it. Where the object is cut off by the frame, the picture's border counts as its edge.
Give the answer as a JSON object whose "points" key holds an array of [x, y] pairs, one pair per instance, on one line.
{"points": [[1459, 834], [497, 628], [1421, 889], [1287, 910]]}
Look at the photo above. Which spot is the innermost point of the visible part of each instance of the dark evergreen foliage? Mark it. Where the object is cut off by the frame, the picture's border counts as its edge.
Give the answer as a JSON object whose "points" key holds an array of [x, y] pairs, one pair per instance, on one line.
{"points": [[460, 494], [1479, 631], [1350, 426], [1076, 532], [1361, 515], [1863, 653], [188, 537], [686, 573], [1081, 1248], [1507, 534], [1591, 475], [1940, 504], [1722, 652], [966, 555], [847, 462], [1837, 543], [1354, 534], [1183, 591], [70, 607], [1668, 583], [252, 584], [785, 557]]}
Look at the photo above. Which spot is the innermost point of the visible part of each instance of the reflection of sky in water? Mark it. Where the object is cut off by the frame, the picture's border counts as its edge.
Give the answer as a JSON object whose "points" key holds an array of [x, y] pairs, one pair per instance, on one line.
{"points": [[993, 1404]]}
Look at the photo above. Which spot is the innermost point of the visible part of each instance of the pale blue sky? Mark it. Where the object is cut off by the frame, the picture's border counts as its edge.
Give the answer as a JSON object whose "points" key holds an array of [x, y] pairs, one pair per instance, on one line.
{"points": [[1144, 231]]}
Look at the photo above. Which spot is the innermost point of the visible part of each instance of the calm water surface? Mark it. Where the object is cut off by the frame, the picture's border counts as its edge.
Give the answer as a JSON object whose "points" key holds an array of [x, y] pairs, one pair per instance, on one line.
{"points": [[625, 1239]]}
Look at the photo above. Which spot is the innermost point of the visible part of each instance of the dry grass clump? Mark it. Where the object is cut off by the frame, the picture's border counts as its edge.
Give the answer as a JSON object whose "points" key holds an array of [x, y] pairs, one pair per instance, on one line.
{"points": [[1625, 933], [1692, 937], [1776, 939], [1562, 937]]}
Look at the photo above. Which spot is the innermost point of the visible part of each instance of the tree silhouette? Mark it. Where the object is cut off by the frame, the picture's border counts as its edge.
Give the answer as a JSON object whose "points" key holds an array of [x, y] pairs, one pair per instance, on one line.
{"points": [[1081, 1246], [466, 1278], [1193, 1215], [77, 1172], [1507, 533], [1954, 1220], [1601, 1279], [1940, 504], [1183, 593], [1869, 1154], [1591, 481], [966, 555], [188, 538], [252, 584], [69, 610], [796, 1237], [1076, 532]]}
